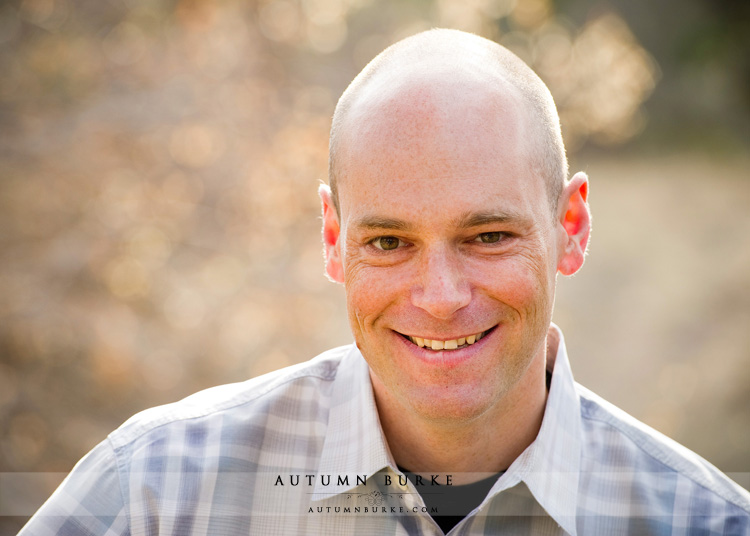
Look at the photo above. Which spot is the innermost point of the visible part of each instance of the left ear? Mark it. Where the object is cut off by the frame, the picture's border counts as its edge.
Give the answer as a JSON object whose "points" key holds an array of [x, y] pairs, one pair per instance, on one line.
{"points": [[574, 217], [331, 235]]}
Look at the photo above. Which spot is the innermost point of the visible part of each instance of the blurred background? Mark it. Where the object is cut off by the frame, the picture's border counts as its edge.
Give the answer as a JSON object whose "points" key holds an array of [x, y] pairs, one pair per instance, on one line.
{"points": [[159, 227]]}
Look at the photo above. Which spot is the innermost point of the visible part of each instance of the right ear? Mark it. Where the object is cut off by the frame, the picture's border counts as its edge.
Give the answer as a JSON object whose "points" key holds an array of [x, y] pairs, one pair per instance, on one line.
{"points": [[331, 234], [575, 224]]}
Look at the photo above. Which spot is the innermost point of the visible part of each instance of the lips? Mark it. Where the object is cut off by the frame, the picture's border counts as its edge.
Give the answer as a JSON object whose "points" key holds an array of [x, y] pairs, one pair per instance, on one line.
{"points": [[450, 344]]}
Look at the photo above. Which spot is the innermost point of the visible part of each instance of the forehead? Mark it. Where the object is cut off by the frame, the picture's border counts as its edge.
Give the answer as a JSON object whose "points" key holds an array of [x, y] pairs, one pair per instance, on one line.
{"points": [[434, 147], [406, 106]]}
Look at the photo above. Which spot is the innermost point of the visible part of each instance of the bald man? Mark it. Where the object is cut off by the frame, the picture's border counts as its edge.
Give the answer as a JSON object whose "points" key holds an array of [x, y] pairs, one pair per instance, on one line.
{"points": [[448, 217]]}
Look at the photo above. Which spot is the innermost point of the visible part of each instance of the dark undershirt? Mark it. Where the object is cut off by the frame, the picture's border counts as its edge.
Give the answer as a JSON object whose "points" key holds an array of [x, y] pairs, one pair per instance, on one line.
{"points": [[453, 503]]}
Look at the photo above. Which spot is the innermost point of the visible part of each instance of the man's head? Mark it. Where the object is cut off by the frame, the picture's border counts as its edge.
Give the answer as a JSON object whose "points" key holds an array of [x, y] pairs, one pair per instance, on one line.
{"points": [[447, 158], [454, 51]]}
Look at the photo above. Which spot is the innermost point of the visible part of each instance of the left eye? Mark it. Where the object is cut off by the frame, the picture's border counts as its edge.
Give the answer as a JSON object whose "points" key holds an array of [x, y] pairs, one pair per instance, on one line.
{"points": [[489, 238], [386, 243]]}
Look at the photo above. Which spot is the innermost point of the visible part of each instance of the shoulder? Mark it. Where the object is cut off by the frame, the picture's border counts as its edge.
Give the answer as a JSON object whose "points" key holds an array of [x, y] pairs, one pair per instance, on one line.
{"points": [[619, 450], [290, 393], [163, 465]]}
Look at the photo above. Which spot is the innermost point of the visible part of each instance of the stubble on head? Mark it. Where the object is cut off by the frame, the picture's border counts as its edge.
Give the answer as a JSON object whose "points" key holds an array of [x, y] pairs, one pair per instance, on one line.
{"points": [[444, 54]]}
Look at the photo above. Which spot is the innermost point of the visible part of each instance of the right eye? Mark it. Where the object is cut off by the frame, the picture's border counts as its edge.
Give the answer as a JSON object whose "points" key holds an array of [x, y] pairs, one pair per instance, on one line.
{"points": [[386, 243], [489, 238]]}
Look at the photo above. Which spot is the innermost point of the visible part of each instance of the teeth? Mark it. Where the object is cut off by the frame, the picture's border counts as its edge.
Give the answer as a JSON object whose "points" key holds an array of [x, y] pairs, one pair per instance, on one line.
{"points": [[445, 345]]}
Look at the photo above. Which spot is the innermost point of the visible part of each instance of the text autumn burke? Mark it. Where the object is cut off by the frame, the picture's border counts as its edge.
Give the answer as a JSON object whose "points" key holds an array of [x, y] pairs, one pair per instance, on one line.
{"points": [[357, 480]]}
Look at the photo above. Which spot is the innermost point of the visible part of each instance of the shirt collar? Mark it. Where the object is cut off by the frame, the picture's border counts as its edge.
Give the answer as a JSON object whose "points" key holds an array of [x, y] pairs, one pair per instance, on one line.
{"points": [[355, 443], [550, 465]]}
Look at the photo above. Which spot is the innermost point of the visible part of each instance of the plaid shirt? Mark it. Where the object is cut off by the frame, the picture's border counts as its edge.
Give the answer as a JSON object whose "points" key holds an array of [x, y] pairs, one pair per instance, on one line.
{"points": [[301, 451]]}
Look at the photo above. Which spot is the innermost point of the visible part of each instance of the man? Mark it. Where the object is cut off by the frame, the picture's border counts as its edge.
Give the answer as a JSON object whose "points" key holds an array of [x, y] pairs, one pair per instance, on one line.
{"points": [[448, 218]]}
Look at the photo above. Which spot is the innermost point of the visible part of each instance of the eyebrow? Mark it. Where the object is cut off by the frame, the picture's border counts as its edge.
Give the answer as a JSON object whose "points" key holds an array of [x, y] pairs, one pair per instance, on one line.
{"points": [[476, 219], [464, 221], [376, 222]]}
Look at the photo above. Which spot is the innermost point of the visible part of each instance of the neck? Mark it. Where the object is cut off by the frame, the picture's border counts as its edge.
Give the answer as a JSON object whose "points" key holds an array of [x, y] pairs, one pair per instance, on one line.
{"points": [[468, 449]]}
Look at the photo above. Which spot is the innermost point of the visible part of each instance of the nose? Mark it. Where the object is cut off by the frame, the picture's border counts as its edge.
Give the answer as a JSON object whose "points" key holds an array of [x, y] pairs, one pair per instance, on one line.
{"points": [[442, 288]]}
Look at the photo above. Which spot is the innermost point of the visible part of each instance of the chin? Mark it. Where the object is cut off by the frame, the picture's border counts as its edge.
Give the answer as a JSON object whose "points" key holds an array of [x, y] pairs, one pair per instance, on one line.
{"points": [[459, 407]]}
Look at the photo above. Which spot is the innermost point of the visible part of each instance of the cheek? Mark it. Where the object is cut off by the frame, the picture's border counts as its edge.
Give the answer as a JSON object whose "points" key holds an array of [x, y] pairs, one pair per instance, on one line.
{"points": [[522, 281], [370, 291]]}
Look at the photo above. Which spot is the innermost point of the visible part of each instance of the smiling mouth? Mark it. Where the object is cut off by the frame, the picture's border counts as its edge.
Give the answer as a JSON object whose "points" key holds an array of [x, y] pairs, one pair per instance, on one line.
{"points": [[452, 344]]}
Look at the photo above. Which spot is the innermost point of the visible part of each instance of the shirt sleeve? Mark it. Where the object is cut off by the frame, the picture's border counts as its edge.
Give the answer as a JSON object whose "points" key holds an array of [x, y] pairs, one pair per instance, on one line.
{"points": [[88, 502]]}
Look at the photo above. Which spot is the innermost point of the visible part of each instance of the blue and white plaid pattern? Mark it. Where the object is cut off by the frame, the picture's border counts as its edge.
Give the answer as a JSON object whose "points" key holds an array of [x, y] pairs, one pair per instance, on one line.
{"points": [[211, 464]]}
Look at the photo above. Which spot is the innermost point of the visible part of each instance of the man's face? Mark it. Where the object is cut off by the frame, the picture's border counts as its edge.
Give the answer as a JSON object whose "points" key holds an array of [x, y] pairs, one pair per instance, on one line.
{"points": [[446, 235]]}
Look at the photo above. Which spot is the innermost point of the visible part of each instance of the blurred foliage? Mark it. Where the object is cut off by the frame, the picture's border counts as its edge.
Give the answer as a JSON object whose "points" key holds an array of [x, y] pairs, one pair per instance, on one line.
{"points": [[702, 48], [158, 163]]}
